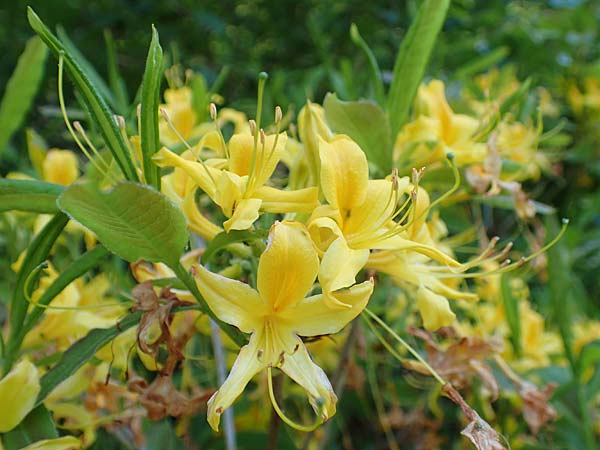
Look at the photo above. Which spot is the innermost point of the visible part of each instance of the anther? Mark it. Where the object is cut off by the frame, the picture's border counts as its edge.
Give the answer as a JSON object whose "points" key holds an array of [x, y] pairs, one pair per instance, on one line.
{"points": [[278, 114], [263, 137], [213, 111], [252, 124]]}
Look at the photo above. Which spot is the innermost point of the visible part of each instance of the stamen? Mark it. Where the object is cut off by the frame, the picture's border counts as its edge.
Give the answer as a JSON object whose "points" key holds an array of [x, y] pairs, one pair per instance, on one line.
{"points": [[213, 115], [87, 140]]}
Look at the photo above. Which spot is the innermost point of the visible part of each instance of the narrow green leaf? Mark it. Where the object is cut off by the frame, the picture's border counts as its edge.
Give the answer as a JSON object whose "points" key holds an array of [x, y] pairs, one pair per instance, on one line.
{"points": [[76, 269], [29, 195], [102, 115], [95, 78], [223, 239], [132, 220], [200, 97], [412, 59], [21, 89], [37, 252], [589, 356], [37, 150], [149, 115], [508, 202], [366, 123], [482, 63], [376, 78], [515, 97], [36, 426], [511, 309], [115, 80], [81, 352]]}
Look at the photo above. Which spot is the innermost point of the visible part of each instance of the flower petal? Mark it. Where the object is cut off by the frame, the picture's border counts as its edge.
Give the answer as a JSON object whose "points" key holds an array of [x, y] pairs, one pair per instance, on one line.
{"points": [[280, 201], [244, 215], [434, 309], [18, 390], [339, 267], [245, 367], [288, 267], [232, 301], [300, 368], [241, 149], [196, 221], [313, 317], [344, 172]]}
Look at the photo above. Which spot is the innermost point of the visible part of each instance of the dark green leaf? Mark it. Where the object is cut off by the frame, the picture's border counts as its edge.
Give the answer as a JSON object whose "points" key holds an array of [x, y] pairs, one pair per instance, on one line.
{"points": [[366, 123], [589, 356], [81, 352], [412, 60], [36, 426], [132, 220], [102, 115], [29, 195], [115, 80], [511, 309], [376, 78], [149, 113], [482, 63], [21, 89]]}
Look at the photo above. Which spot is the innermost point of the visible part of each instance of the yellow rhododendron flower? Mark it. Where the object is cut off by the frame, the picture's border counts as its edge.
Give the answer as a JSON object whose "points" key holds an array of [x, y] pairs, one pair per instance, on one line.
{"points": [[18, 390], [240, 191], [435, 310], [277, 314], [179, 108], [60, 167]]}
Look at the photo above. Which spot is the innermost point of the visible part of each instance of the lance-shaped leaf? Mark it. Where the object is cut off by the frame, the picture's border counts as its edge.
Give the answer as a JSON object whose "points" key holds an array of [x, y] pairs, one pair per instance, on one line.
{"points": [[21, 89], [95, 103], [132, 220], [29, 195], [37, 426], [366, 123], [412, 60], [511, 309], [149, 114]]}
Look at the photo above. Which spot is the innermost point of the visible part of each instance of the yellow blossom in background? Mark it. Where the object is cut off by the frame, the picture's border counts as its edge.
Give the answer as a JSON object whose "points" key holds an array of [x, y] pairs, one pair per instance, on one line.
{"points": [[19, 389]]}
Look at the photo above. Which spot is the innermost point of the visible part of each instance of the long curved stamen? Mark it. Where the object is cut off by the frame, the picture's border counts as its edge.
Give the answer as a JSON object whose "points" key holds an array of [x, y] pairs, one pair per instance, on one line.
{"points": [[262, 80], [87, 140], [63, 110], [281, 414], [214, 117]]}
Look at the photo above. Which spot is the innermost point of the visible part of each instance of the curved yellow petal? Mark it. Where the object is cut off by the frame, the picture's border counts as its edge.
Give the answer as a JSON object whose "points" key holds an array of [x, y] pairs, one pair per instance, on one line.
{"points": [[313, 317], [300, 368], [18, 390], [434, 309], [245, 367], [245, 213], [288, 267], [311, 128], [323, 227], [196, 221], [60, 167], [204, 175], [232, 301], [229, 190], [62, 443], [339, 267], [344, 172], [280, 201]]}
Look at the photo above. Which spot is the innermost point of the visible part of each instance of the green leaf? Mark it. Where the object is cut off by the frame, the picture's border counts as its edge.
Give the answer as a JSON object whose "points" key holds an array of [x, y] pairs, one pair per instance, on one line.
{"points": [[589, 356], [115, 80], [21, 89], [94, 101], [37, 252], [200, 97], [366, 123], [36, 426], [81, 352], [87, 67], [29, 195], [508, 202], [132, 220], [36, 149], [482, 63], [412, 59], [511, 309], [223, 239], [149, 115], [376, 78]]}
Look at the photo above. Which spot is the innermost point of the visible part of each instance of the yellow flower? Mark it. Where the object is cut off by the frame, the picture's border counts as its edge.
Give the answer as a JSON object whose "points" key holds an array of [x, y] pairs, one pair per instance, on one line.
{"points": [[240, 191], [359, 217], [60, 167], [435, 309], [277, 314], [182, 114], [436, 131], [18, 390]]}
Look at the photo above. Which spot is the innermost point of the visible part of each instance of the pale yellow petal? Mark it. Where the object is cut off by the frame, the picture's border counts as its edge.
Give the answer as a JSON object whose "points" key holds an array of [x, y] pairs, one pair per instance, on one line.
{"points": [[62, 443], [61, 167], [245, 213], [435, 310], [202, 174], [300, 368], [312, 128], [313, 317], [288, 267], [280, 201], [232, 301], [230, 187], [266, 157], [245, 367], [19, 389], [344, 172], [323, 228], [339, 266], [196, 221]]}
